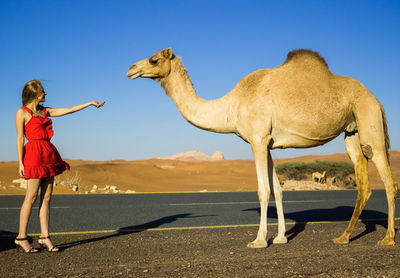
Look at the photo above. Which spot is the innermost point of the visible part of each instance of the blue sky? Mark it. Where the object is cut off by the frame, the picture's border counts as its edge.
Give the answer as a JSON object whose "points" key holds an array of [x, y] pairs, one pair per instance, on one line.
{"points": [[83, 49]]}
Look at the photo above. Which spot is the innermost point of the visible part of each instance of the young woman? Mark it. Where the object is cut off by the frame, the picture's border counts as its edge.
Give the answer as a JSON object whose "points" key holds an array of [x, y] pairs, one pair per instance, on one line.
{"points": [[39, 160]]}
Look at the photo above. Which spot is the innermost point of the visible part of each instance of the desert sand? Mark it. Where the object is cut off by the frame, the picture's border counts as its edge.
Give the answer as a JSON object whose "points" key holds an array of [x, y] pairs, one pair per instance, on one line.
{"points": [[171, 175]]}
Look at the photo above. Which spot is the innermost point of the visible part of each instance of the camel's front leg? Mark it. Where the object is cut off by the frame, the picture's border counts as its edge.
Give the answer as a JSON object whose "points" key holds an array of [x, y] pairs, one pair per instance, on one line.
{"points": [[260, 153], [277, 193]]}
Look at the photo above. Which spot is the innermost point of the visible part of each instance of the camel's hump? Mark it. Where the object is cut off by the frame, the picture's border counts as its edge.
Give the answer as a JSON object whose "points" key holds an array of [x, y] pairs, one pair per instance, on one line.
{"points": [[304, 53]]}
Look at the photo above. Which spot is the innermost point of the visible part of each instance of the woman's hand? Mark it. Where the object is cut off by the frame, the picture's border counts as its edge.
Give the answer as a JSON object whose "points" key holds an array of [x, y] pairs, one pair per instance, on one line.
{"points": [[98, 104], [21, 170]]}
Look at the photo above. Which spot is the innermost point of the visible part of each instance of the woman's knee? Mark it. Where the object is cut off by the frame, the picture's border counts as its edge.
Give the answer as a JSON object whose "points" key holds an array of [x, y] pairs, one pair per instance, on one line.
{"points": [[46, 190], [30, 198], [46, 198]]}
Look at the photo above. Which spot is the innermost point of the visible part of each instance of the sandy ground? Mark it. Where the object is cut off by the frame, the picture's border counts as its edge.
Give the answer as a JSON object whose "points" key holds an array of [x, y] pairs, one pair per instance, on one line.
{"points": [[156, 175], [222, 252], [310, 252]]}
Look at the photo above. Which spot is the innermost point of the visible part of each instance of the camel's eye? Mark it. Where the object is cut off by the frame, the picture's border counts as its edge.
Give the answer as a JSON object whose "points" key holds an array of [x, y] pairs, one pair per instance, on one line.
{"points": [[153, 61]]}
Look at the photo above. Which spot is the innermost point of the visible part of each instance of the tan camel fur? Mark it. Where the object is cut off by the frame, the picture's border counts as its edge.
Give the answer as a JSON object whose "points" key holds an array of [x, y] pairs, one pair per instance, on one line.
{"points": [[299, 104], [331, 180], [318, 177]]}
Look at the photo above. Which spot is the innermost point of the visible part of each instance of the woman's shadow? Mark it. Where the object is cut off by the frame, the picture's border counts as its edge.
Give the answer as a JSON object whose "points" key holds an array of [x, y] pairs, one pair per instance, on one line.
{"points": [[370, 218], [7, 238], [132, 229]]}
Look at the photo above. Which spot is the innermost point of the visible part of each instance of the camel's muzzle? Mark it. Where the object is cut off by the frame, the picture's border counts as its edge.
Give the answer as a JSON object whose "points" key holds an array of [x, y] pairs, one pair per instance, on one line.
{"points": [[133, 75]]}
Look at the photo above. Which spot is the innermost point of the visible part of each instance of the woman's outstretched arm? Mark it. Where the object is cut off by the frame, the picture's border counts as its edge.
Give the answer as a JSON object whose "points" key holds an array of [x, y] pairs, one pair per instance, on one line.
{"points": [[57, 112]]}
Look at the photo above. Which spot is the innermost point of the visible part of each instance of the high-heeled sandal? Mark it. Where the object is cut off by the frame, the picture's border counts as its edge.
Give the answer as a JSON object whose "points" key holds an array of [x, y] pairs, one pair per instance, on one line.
{"points": [[43, 244], [17, 242]]}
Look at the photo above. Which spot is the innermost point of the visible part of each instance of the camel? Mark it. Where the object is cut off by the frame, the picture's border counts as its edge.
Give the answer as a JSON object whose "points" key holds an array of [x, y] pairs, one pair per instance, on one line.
{"points": [[318, 177], [331, 180], [299, 104]]}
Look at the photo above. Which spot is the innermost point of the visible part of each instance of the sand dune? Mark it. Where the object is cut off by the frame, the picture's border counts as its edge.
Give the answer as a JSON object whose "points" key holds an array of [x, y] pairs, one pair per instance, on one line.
{"points": [[166, 175]]}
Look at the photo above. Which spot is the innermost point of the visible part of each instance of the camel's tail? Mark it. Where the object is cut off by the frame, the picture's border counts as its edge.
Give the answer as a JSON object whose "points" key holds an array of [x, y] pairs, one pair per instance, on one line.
{"points": [[385, 130]]}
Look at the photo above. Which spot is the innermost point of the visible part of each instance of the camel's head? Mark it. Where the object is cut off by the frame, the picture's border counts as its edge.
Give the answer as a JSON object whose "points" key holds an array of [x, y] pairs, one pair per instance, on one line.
{"points": [[156, 67]]}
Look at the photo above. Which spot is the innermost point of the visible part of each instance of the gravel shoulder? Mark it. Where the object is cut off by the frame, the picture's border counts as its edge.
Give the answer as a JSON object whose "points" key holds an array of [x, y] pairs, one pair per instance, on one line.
{"points": [[221, 252]]}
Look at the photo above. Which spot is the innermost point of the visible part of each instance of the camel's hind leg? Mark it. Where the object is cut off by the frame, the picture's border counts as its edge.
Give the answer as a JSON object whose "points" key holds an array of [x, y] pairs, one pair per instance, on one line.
{"points": [[382, 165], [374, 142], [355, 153]]}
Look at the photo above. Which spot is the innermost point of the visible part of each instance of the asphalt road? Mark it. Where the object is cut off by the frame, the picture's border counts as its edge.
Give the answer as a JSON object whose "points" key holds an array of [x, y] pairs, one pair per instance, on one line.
{"points": [[128, 212]]}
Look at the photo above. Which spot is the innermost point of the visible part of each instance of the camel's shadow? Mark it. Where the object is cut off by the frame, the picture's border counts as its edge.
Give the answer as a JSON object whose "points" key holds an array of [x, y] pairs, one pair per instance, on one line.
{"points": [[7, 238], [369, 218]]}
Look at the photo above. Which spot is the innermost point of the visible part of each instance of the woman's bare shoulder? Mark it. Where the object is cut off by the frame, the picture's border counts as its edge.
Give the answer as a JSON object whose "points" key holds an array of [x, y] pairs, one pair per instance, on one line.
{"points": [[21, 112]]}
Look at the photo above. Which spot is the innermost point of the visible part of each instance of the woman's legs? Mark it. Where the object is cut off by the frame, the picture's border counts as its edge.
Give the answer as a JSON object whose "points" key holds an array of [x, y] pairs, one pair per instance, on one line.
{"points": [[46, 190], [26, 209]]}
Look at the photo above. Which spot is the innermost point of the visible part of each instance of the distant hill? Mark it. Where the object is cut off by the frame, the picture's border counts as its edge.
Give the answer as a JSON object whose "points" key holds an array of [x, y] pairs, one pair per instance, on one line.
{"points": [[195, 156]]}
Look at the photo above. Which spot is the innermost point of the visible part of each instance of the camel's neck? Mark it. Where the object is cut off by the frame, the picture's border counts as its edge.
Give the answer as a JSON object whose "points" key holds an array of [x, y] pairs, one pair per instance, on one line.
{"points": [[211, 115]]}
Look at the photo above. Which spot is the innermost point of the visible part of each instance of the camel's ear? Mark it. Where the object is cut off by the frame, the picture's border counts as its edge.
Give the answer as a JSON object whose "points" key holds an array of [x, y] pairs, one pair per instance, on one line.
{"points": [[167, 53]]}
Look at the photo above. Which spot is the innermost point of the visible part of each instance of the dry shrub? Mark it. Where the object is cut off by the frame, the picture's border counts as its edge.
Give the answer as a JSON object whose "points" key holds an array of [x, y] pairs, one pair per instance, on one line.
{"points": [[300, 170], [69, 178]]}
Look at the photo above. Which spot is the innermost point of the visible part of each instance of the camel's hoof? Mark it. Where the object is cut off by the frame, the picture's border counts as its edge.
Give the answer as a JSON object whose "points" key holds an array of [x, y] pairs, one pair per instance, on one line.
{"points": [[386, 242], [257, 244], [341, 240], [280, 240]]}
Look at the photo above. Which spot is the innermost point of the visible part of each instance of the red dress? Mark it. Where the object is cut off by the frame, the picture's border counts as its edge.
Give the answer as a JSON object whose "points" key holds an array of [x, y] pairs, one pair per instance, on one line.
{"points": [[41, 159]]}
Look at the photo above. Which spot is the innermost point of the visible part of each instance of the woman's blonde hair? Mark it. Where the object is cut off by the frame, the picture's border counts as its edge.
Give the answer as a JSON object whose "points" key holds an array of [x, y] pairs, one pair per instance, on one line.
{"points": [[31, 90]]}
